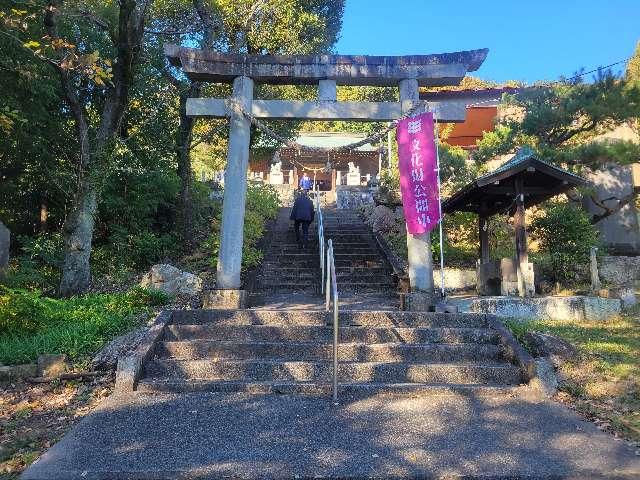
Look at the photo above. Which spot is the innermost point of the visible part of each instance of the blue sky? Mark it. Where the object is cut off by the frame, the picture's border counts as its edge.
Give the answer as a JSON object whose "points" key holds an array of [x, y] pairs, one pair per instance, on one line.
{"points": [[528, 40]]}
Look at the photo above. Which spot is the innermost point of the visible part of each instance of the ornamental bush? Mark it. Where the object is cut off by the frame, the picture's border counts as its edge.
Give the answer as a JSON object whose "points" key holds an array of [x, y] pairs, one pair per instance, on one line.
{"points": [[566, 236]]}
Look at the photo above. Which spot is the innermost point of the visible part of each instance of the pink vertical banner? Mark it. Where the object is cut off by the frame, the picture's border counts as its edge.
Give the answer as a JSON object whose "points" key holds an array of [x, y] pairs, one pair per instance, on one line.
{"points": [[418, 176]]}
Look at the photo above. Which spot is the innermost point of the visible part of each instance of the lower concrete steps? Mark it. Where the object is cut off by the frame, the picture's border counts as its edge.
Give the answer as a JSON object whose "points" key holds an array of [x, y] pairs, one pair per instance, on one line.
{"points": [[285, 351], [321, 372], [313, 351], [351, 390]]}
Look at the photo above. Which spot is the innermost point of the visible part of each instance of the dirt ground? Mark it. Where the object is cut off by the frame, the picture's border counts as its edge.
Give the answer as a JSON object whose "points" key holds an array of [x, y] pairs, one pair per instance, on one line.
{"points": [[35, 416]]}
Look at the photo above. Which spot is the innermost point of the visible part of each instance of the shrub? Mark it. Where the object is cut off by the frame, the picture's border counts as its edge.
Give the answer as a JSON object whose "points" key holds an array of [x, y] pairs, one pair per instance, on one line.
{"points": [[31, 324], [262, 205], [37, 267], [566, 236]]}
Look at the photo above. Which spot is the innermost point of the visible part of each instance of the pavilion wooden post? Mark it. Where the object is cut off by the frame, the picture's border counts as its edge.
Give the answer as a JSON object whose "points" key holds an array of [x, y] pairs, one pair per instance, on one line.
{"points": [[235, 189], [483, 231], [418, 246], [522, 255]]}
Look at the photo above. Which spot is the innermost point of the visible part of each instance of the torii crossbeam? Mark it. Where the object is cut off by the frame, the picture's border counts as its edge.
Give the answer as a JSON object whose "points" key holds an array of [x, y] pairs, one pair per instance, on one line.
{"points": [[327, 71]]}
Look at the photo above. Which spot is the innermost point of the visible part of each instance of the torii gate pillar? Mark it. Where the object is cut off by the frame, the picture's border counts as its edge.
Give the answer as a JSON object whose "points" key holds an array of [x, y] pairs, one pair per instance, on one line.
{"points": [[235, 190], [418, 246]]}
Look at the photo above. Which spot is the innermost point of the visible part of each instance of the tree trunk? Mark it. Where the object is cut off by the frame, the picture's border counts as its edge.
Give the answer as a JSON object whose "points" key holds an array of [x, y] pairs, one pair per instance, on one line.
{"points": [[78, 226], [44, 216], [78, 235], [183, 153]]}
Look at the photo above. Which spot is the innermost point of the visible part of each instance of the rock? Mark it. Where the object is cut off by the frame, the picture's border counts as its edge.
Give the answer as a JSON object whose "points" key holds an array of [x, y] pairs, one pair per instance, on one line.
{"points": [[545, 345], [172, 280], [14, 372], [5, 240], [107, 358], [51, 366]]}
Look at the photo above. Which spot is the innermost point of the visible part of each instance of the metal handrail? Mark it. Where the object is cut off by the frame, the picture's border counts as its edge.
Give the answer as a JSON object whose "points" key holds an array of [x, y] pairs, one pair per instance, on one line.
{"points": [[321, 246], [329, 286], [332, 289]]}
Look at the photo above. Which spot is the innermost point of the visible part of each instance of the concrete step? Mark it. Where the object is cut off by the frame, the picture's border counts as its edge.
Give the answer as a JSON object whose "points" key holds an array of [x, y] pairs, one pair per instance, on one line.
{"points": [[364, 287], [285, 318], [347, 352], [315, 333], [353, 390], [337, 248], [292, 287], [314, 262], [400, 372]]}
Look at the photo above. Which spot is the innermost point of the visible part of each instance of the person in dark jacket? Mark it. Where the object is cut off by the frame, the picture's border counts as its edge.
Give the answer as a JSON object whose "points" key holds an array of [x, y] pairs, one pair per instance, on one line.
{"points": [[302, 215]]}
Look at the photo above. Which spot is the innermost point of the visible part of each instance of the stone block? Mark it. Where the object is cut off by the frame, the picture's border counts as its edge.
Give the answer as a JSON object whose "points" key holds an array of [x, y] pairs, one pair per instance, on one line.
{"points": [[574, 308], [16, 372], [420, 301], [353, 179], [276, 178], [509, 277], [545, 379], [5, 241], [51, 366], [626, 295], [488, 278], [224, 299], [455, 278], [444, 307], [128, 373]]}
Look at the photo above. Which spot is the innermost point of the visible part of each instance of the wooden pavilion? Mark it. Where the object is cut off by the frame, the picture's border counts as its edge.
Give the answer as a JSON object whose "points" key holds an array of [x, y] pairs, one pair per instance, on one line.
{"points": [[522, 182]]}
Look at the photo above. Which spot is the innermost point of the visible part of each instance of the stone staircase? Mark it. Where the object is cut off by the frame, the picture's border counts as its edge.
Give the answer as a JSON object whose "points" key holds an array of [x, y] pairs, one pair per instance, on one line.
{"points": [[279, 351], [360, 266]]}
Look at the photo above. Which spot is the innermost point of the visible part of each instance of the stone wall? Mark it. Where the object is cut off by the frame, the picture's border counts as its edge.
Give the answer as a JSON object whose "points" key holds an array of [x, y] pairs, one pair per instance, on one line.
{"points": [[619, 271], [456, 278], [353, 197], [574, 308]]}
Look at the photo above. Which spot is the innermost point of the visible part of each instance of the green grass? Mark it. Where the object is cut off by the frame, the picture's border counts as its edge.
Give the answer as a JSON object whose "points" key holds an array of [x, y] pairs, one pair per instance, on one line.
{"points": [[605, 382], [31, 324]]}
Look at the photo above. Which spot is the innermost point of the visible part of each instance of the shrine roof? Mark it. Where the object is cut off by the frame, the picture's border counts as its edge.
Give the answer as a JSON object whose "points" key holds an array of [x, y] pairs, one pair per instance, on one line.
{"points": [[333, 140], [429, 70], [496, 190]]}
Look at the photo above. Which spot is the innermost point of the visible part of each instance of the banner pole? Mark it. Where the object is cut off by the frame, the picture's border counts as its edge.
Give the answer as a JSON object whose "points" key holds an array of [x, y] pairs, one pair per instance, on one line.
{"points": [[440, 211]]}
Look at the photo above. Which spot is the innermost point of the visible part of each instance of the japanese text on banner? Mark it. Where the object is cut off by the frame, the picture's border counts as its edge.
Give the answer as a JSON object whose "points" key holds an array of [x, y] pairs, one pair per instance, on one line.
{"points": [[418, 176]]}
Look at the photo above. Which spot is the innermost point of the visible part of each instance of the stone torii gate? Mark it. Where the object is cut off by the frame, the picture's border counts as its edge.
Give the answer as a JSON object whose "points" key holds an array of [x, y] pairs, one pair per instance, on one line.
{"points": [[327, 71]]}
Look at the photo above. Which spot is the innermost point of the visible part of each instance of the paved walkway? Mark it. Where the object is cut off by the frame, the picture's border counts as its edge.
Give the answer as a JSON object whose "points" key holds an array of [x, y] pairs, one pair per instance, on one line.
{"points": [[309, 302], [200, 436]]}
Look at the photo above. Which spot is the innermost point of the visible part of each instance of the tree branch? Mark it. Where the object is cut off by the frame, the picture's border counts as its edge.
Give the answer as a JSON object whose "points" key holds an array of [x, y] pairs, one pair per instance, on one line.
{"points": [[608, 211]]}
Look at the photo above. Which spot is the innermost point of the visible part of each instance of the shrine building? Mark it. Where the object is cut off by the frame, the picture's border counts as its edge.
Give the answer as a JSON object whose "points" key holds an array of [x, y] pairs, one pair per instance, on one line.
{"points": [[354, 167]]}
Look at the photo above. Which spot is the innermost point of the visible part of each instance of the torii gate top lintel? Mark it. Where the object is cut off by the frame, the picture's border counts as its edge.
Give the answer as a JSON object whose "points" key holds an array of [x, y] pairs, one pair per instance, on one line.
{"points": [[440, 69]]}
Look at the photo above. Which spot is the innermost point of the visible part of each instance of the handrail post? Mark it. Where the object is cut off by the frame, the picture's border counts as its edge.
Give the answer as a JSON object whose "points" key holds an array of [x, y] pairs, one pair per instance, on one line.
{"points": [[335, 348], [328, 280]]}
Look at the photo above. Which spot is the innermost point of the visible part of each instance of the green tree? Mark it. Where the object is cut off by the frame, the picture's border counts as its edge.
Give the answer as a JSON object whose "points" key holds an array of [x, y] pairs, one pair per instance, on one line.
{"points": [[246, 26], [566, 236], [564, 123], [632, 73]]}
